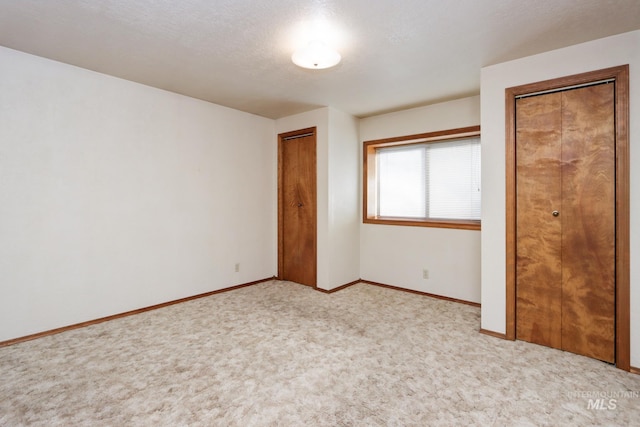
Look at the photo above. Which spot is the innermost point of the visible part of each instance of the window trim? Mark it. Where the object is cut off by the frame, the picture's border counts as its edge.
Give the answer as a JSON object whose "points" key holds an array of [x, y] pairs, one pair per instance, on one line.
{"points": [[369, 178]]}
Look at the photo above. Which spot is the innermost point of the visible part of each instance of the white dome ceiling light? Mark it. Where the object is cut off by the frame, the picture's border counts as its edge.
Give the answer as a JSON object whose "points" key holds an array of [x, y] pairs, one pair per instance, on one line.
{"points": [[316, 56]]}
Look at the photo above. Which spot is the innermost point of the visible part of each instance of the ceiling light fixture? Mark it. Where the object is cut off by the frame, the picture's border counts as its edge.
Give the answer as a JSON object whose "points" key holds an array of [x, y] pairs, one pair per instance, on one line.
{"points": [[316, 55]]}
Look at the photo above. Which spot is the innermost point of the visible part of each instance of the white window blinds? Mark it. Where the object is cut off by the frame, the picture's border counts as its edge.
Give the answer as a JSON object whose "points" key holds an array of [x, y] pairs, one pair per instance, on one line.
{"points": [[438, 180]]}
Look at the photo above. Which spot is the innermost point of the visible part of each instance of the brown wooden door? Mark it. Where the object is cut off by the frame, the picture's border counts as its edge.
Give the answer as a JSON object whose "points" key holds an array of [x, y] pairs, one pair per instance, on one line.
{"points": [[565, 220], [539, 233], [297, 207]]}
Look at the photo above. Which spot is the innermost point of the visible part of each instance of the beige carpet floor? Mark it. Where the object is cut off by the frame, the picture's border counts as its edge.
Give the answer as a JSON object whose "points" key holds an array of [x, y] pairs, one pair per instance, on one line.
{"points": [[281, 354]]}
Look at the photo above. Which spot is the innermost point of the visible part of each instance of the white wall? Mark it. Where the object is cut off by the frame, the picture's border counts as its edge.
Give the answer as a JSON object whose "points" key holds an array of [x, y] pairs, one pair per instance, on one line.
{"points": [[396, 255], [603, 53], [337, 182], [116, 196], [344, 199]]}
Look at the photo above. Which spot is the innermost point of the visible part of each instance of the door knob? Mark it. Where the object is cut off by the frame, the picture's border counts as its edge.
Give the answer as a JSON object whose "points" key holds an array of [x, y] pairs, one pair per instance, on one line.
{"points": [[555, 213]]}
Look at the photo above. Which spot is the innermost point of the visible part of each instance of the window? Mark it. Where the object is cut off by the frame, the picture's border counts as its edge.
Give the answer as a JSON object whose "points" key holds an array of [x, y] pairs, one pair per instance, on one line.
{"points": [[430, 180]]}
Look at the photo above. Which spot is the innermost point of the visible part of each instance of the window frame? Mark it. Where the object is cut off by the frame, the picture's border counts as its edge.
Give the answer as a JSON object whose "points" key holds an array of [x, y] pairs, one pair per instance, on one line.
{"points": [[370, 178]]}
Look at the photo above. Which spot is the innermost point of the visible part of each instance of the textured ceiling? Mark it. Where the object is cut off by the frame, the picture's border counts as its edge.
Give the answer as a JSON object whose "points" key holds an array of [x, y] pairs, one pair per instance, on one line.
{"points": [[396, 53]]}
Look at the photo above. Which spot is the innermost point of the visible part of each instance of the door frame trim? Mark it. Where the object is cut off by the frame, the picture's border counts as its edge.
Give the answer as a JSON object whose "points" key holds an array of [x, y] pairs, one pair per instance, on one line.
{"points": [[621, 76], [282, 137]]}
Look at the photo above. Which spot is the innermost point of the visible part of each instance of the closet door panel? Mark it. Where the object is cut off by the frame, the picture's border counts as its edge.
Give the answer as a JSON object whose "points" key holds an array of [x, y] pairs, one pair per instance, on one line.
{"points": [[538, 232], [588, 221]]}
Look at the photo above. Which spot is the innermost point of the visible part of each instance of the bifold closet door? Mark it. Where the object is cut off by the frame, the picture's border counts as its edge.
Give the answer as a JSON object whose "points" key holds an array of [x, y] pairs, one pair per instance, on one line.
{"points": [[538, 232], [565, 220], [297, 204]]}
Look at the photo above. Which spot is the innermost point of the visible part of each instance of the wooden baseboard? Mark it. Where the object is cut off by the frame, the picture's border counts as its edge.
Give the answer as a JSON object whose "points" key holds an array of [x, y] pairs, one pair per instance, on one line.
{"points": [[396, 288], [459, 301], [125, 314], [634, 370], [493, 334], [339, 288]]}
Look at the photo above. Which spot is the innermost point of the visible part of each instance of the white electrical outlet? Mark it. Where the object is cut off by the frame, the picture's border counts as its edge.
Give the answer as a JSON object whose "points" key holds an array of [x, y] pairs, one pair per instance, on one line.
{"points": [[425, 273], [237, 267]]}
